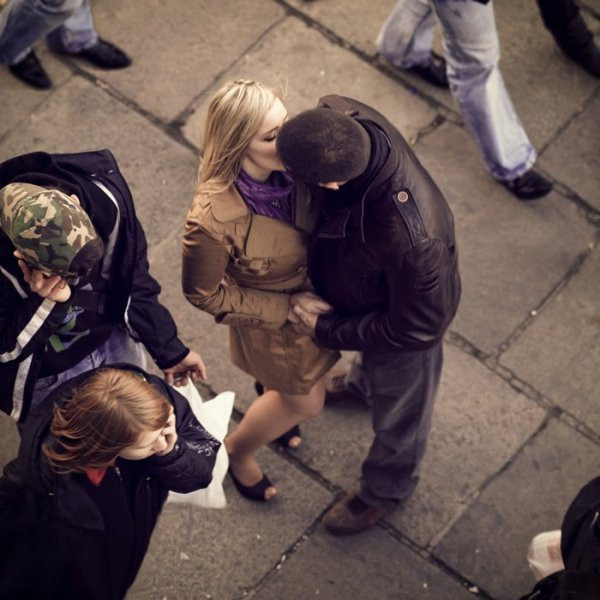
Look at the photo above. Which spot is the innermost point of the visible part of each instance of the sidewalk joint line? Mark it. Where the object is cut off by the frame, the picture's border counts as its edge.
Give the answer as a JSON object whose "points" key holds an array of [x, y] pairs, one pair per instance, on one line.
{"points": [[181, 118], [546, 300]]}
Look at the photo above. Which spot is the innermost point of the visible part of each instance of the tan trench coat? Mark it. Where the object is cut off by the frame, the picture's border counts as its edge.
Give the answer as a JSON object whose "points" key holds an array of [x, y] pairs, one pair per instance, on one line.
{"points": [[242, 268]]}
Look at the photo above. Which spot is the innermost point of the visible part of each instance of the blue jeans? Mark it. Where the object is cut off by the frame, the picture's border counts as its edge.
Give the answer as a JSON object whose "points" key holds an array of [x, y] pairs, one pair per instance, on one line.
{"points": [[472, 52], [119, 348], [67, 24], [400, 388]]}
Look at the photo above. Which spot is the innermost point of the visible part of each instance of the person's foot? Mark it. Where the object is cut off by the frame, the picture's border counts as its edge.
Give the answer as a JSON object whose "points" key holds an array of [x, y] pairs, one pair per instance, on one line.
{"points": [[433, 71], [529, 186], [587, 57], [351, 515], [30, 71], [103, 55], [292, 438], [249, 480], [259, 492], [338, 391]]}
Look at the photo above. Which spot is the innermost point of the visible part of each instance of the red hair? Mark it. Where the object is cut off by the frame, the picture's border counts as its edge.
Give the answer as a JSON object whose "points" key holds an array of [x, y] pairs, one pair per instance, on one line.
{"points": [[102, 417]]}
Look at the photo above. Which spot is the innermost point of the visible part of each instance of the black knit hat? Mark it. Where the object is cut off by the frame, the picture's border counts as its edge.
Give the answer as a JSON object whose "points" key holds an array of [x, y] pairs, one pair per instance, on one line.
{"points": [[323, 145]]}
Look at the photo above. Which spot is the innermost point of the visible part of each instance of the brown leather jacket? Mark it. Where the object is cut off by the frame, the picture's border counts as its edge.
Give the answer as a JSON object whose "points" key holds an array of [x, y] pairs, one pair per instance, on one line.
{"points": [[388, 263]]}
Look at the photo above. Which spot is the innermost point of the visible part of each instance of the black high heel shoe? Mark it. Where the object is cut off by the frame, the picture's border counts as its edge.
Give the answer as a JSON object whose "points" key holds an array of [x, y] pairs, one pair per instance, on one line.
{"points": [[284, 439], [254, 492]]}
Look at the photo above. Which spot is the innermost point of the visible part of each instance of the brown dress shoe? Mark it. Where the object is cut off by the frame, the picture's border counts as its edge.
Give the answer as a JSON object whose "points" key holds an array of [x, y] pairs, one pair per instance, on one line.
{"points": [[351, 515]]}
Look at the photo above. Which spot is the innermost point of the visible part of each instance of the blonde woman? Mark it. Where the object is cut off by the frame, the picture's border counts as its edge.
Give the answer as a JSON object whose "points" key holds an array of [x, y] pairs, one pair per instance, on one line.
{"points": [[244, 261]]}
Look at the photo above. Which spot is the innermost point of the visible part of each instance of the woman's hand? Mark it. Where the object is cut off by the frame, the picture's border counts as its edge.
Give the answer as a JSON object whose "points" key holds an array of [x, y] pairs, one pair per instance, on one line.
{"points": [[53, 287], [310, 303]]}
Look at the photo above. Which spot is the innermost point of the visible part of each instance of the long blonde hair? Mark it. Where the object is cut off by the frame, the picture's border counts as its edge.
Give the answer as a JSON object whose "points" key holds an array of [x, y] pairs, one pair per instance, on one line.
{"points": [[235, 115], [103, 416]]}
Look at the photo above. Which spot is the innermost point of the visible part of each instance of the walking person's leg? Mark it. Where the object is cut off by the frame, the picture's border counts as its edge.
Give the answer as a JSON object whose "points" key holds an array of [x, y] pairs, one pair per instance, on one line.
{"points": [[24, 22], [472, 53], [564, 21], [75, 34], [405, 41]]}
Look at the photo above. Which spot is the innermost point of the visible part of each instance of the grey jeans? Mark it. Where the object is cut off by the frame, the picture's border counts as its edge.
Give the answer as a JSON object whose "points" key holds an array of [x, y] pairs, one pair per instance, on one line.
{"points": [[400, 388], [472, 51], [118, 348], [67, 24]]}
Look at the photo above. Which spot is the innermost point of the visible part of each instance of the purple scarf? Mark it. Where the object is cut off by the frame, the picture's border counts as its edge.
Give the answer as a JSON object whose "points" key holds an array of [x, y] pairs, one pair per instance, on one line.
{"points": [[272, 198]]}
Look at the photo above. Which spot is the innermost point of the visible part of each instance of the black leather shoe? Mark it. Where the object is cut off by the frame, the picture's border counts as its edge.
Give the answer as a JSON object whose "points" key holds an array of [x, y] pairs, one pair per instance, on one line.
{"points": [[530, 186], [433, 71], [30, 71], [104, 55], [587, 57]]}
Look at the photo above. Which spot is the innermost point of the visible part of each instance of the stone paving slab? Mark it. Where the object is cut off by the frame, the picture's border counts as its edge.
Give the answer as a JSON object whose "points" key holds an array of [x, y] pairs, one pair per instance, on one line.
{"points": [[559, 353], [178, 46], [18, 101], [160, 172], [479, 423], [373, 565], [574, 158], [511, 253], [355, 21], [302, 60], [488, 545], [229, 550]]}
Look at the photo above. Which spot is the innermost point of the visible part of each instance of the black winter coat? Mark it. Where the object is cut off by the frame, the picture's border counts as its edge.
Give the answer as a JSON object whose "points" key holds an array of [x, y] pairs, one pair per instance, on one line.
{"points": [[61, 542], [388, 264], [27, 320]]}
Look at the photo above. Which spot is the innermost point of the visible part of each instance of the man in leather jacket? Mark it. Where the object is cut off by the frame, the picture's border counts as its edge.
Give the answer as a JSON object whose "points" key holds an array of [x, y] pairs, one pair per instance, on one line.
{"points": [[384, 256]]}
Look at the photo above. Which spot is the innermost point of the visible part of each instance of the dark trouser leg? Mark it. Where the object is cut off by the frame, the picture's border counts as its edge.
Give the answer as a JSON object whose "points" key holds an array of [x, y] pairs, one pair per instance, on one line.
{"points": [[562, 19], [402, 392]]}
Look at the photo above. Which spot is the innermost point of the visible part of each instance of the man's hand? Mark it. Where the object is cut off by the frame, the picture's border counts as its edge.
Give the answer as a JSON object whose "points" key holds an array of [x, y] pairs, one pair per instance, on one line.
{"points": [[53, 287], [191, 366], [170, 434], [308, 320]]}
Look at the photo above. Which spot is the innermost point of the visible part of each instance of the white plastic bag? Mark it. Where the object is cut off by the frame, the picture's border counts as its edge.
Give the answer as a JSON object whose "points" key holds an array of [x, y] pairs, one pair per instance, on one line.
{"points": [[214, 416], [544, 556]]}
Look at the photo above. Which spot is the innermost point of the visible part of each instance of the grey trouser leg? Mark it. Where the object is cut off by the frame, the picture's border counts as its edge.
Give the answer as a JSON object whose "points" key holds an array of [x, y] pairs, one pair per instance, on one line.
{"points": [[401, 390]]}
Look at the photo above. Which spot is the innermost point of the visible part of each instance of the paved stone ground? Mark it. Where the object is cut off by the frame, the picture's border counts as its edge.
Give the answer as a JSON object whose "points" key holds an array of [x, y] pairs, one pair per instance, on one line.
{"points": [[516, 429]]}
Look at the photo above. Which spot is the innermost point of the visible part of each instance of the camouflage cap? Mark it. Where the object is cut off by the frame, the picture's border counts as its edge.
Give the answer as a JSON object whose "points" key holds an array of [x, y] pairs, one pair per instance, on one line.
{"points": [[45, 225]]}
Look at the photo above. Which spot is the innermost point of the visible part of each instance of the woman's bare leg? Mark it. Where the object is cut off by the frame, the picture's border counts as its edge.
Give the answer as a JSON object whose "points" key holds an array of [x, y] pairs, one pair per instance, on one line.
{"points": [[268, 417]]}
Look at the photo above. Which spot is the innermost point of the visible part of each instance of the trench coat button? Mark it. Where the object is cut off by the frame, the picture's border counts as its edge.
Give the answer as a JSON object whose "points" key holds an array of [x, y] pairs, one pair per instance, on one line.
{"points": [[402, 197]]}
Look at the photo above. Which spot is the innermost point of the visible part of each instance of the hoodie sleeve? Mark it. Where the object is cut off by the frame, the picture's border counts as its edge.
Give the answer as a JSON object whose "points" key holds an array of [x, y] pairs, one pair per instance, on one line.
{"points": [[151, 321], [190, 464]]}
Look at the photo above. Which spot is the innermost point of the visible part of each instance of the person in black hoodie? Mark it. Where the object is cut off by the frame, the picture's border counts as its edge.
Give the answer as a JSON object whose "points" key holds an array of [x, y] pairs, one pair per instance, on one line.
{"points": [[97, 458], [75, 291]]}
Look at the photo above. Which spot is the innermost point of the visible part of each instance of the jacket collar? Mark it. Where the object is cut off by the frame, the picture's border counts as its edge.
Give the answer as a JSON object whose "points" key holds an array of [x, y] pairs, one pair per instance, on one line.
{"points": [[229, 205], [337, 225]]}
